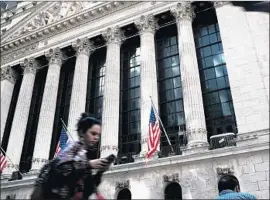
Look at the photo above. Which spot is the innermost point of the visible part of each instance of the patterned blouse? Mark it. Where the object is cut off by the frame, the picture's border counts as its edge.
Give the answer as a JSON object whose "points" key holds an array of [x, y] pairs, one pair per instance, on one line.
{"points": [[69, 175]]}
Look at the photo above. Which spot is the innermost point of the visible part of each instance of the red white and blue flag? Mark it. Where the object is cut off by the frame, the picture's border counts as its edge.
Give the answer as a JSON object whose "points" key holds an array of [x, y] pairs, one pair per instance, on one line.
{"points": [[3, 162], [63, 141], [154, 133]]}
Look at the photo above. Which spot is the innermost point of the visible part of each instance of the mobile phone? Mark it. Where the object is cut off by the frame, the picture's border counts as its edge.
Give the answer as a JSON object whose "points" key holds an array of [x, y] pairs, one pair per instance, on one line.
{"points": [[111, 158]]}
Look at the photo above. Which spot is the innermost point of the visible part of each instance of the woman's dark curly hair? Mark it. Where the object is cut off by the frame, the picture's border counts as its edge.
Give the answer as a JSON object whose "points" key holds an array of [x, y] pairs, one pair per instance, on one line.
{"points": [[86, 121]]}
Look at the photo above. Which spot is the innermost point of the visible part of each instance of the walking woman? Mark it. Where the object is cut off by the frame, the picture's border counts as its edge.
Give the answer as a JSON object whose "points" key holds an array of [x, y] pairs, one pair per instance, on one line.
{"points": [[69, 175]]}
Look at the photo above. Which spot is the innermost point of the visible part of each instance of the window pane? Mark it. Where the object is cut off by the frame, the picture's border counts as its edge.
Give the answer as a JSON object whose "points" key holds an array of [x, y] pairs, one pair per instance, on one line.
{"points": [[223, 95], [205, 40], [204, 31], [212, 85], [226, 109], [209, 62], [219, 71], [221, 83], [209, 73], [169, 95], [214, 99], [175, 60], [176, 82], [206, 51], [176, 71], [211, 29], [178, 93], [213, 38]]}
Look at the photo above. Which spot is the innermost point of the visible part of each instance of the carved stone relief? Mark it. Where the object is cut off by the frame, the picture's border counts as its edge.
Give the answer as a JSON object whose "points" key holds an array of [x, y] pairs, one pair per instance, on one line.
{"points": [[171, 178], [123, 184]]}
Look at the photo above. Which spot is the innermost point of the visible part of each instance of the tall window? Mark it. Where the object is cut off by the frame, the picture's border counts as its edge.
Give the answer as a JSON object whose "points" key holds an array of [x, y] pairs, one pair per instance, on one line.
{"points": [[12, 108], [33, 118], [63, 101], [169, 86], [129, 135], [218, 104], [96, 76]]}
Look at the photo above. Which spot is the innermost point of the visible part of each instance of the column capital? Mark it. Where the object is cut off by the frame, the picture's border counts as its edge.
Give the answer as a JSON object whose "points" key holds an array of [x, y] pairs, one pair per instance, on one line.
{"points": [[183, 10], [146, 23], [83, 46], [113, 35], [7, 73], [30, 65], [55, 56]]}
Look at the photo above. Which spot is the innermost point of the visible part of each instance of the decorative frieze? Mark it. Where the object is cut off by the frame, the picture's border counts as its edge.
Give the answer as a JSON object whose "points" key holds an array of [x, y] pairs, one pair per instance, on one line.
{"points": [[225, 170], [7, 73], [171, 178], [183, 10], [108, 147], [122, 184], [83, 46], [59, 26], [147, 23]]}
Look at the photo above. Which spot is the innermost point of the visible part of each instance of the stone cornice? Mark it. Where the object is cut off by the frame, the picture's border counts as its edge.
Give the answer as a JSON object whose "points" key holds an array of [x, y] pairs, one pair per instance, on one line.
{"points": [[42, 6], [7, 17], [64, 24], [27, 50]]}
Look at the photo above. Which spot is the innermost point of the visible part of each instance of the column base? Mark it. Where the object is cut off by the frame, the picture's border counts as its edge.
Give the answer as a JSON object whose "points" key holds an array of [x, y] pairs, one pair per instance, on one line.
{"points": [[196, 147]]}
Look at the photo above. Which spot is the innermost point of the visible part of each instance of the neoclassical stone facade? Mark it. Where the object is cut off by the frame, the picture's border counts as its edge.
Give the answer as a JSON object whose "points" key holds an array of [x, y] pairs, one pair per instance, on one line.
{"points": [[51, 34]]}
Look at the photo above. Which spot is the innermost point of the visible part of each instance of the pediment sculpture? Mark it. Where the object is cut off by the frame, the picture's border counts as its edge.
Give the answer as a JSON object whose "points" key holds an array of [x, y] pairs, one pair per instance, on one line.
{"points": [[55, 13]]}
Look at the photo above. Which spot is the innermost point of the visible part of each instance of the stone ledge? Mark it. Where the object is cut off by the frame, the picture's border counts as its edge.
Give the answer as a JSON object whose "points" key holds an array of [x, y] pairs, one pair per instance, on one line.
{"points": [[209, 154]]}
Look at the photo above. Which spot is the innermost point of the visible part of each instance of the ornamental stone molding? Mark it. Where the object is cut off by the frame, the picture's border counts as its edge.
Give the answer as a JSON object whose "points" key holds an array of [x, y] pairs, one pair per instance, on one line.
{"points": [[146, 23], [50, 28], [55, 56], [108, 147], [40, 160], [113, 35], [183, 10], [83, 46], [171, 178], [30, 65], [122, 184], [7, 73]]}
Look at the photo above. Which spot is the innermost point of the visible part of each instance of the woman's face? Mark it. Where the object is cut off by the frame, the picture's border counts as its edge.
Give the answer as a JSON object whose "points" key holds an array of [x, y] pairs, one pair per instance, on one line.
{"points": [[92, 135]]}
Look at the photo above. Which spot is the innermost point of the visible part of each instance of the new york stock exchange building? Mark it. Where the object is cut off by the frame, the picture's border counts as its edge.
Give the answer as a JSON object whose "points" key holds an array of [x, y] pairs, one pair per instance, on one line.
{"points": [[205, 66]]}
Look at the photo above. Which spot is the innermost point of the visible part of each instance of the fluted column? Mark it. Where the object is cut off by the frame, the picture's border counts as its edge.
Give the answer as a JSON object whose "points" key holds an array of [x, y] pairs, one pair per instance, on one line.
{"points": [[192, 94], [111, 97], [47, 110], [17, 133], [8, 79], [79, 86], [147, 26]]}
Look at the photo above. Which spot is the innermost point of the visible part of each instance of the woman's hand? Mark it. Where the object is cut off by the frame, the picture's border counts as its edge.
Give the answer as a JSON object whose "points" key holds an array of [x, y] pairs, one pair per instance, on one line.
{"points": [[99, 163]]}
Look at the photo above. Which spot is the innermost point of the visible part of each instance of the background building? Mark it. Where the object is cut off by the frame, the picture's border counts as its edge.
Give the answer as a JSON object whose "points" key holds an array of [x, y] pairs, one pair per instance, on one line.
{"points": [[205, 65]]}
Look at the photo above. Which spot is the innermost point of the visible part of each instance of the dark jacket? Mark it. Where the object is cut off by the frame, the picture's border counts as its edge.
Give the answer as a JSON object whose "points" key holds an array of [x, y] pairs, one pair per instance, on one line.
{"points": [[68, 176]]}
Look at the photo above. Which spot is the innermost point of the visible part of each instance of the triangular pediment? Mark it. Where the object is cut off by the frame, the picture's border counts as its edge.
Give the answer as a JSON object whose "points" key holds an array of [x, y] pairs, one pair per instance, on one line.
{"points": [[47, 14]]}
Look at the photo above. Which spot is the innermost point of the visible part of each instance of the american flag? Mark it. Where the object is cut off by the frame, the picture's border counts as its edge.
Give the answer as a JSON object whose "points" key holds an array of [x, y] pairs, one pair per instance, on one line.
{"points": [[153, 134], [63, 141], [3, 162]]}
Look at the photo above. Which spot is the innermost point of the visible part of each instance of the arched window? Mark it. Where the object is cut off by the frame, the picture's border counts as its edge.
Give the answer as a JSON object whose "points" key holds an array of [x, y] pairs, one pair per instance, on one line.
{"points": [[124, 194], [173, 191]]}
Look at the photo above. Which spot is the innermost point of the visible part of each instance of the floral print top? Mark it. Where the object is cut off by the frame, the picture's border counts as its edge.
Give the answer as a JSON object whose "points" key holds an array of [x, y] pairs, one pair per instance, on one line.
{"points": [[69, 175]]}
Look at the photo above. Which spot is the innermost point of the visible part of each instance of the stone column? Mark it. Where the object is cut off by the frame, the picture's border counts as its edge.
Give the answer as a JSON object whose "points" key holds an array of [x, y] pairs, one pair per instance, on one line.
{"points": [[192, 94], [47, 110], [147, 26], [17, 133], [246, 71], [8, 79], [79, 86], [111, 97]]}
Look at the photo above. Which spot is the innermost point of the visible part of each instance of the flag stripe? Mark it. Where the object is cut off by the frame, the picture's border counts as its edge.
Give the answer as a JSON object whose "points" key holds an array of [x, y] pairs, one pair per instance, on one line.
{"points": [[63, 141], [3, 162], [153, 134]]}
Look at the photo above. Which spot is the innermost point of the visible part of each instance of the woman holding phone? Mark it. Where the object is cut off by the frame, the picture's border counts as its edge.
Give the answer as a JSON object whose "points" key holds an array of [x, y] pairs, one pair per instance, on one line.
{"points": [[69, 175]]}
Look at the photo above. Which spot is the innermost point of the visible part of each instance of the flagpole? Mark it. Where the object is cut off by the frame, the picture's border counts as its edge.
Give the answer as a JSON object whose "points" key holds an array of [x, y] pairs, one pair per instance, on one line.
{"points": [[65, 127], [161, 124], [10, 161]]}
